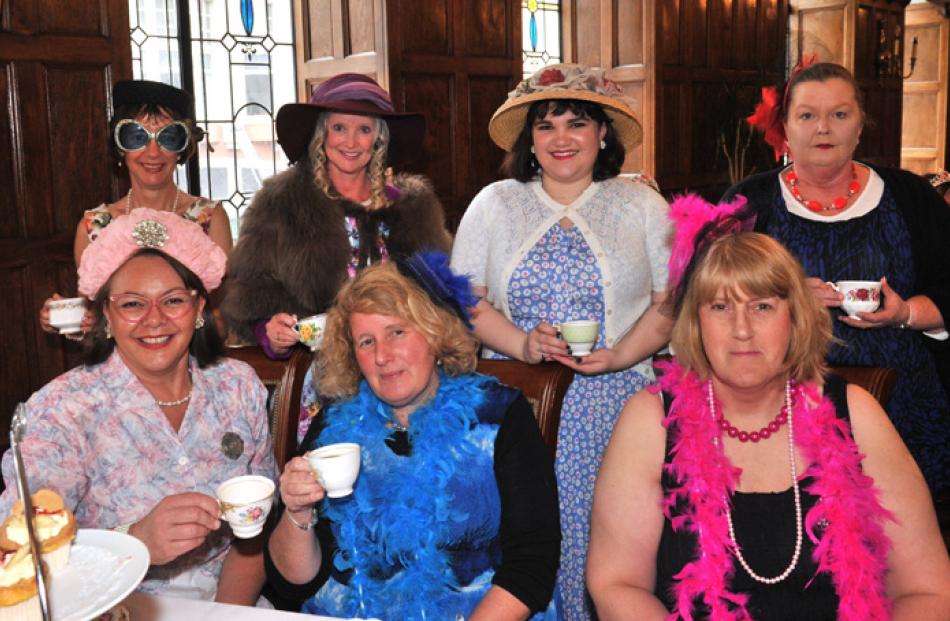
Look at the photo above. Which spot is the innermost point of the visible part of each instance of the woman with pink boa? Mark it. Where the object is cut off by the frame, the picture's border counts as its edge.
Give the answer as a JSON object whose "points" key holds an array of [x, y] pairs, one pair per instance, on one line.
{"points": [[753, 484]]}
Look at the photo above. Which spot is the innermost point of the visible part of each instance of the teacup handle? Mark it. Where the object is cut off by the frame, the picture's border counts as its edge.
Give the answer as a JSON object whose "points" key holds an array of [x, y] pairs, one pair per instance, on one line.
{"points": [[833, 286]]}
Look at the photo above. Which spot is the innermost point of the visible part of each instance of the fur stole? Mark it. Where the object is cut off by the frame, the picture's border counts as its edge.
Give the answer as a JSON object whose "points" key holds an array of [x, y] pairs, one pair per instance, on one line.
{"points": [[293, 250], [852, 548], [418, 536]]}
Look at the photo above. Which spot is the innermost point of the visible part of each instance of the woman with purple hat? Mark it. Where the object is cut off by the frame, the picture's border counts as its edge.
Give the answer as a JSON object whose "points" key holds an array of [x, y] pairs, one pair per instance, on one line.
{"points": [[151, 132], [313, 227]]}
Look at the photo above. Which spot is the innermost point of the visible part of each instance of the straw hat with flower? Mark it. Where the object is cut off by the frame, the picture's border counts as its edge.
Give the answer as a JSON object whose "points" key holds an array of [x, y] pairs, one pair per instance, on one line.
{"points": [[566, 81]]}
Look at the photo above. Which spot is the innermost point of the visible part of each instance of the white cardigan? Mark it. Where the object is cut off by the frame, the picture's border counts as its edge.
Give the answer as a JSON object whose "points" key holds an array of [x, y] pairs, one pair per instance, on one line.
{"points": [[625, 223]]}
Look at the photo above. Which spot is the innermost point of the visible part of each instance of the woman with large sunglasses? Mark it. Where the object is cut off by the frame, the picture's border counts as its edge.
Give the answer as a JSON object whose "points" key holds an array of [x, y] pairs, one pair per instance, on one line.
{"points": [[138, 437], [151, 133]]}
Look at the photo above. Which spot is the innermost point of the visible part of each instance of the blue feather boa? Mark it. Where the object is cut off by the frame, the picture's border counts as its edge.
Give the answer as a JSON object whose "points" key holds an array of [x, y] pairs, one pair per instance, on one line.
{"points": [[418, 538]]}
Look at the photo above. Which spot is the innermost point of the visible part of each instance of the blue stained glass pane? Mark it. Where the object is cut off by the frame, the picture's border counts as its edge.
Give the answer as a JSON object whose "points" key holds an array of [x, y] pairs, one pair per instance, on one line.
{"points": [[247, 15], [533, 32]]}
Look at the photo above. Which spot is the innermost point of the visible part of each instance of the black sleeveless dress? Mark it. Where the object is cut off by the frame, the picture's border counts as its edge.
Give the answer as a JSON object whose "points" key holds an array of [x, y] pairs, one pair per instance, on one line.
{"points": [[765, 528]]}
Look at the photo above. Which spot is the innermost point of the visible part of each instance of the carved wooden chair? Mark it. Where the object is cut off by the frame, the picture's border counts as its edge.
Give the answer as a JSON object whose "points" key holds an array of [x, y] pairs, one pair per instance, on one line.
{"points": [[284, 381], [544, 385], [878, 381]]}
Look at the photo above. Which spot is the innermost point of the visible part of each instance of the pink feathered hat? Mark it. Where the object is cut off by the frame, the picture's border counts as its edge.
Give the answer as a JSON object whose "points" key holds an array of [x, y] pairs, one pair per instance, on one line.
{"points": [[181, 239]]}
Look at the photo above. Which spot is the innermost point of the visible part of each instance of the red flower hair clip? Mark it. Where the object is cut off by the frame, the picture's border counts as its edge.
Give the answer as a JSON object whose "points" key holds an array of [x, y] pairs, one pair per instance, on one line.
{"points": [[768, 113]]}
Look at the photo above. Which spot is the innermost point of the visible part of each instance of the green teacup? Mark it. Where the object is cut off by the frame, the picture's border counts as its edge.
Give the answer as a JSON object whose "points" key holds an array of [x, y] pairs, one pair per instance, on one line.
{"points": [[580, 335]]}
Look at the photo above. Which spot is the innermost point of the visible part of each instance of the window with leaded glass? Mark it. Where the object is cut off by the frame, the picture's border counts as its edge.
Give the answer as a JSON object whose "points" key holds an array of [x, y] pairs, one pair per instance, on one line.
{"points": [[541, 24], [238, 59]]}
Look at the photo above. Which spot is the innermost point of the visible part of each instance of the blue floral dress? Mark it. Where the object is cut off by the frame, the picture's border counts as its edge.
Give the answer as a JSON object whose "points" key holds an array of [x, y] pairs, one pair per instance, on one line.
{"points": [[559, 280]]}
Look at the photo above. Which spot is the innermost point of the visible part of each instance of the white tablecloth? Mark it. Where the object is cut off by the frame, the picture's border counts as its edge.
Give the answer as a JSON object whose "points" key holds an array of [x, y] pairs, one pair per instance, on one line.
{"points": [[146, 607]]}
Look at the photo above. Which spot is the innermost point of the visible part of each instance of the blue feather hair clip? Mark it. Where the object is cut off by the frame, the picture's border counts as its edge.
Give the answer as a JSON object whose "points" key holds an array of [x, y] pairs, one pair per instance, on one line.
{"points": [[430, 270]]}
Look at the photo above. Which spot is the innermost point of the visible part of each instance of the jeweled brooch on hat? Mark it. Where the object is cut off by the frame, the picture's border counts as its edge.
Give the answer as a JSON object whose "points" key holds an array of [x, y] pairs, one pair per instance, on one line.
{"points": [[150, 234]]}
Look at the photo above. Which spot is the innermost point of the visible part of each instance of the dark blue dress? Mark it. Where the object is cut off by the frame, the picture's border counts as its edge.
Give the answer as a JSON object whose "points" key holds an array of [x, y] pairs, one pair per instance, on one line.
{"points": [[866, 248]]}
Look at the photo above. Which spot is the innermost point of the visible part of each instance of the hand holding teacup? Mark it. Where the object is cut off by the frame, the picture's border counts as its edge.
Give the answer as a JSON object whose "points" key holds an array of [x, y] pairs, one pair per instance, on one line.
{"points": [[894, 311], [280, 332], [543, 343], [177, 524]]}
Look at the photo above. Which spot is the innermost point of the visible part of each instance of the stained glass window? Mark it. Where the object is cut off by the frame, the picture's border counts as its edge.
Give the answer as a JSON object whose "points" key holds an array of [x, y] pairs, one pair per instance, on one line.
{"points": [[541, 25], [240, 62]]}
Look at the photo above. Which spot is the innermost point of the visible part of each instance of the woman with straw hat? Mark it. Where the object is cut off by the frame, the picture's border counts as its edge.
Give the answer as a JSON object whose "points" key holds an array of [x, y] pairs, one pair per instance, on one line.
{"points": [[564, 239]]}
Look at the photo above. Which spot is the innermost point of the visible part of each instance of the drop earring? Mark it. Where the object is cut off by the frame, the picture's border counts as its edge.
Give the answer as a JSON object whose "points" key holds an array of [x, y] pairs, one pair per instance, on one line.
{"points": [[603, 144], [199, 322], [532, 149], [108, 330]]}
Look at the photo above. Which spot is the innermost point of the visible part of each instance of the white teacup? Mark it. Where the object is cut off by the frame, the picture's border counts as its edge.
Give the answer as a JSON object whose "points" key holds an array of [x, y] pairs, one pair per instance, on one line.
{"points": [[860, 296], [336, 466], [245, 502], [66, 315], [310, 330], [581, 335]]}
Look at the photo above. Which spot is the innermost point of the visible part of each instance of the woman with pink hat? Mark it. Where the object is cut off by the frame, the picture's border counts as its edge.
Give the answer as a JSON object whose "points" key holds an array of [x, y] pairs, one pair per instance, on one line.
{"points": [[138, 438], [335, 211], [565, 239]]}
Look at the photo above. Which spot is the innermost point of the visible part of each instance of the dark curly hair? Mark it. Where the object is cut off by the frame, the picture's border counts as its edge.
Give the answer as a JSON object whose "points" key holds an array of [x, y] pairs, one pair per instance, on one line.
{"points": [[521, 164]]}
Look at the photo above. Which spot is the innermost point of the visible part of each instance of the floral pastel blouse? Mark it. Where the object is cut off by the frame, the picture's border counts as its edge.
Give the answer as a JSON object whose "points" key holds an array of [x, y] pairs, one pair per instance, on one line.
{"points": [[97, 437]]}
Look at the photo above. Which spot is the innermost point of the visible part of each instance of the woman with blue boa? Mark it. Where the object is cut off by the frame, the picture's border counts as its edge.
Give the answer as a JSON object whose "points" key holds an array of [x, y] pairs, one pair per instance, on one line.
{"points": [[454, 514]]}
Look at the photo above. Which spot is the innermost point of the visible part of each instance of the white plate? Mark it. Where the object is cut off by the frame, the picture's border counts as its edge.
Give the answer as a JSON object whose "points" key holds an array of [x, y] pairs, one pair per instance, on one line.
{"points": [[104, 566]]}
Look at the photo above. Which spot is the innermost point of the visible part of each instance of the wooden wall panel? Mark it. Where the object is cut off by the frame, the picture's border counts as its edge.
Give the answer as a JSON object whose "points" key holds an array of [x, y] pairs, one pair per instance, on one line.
{"points": [[79, 126], [484, 94], [55, 91], [708, 78], [435, 95], [821, 30], [320, 25], [12, 218], [362, 25], [924, 127], [47, 17], [424, 26], [454, 61], [484, 28]]}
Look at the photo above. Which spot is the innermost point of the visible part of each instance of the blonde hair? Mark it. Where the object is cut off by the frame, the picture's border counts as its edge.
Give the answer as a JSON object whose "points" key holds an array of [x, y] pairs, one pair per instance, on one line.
{"points": [[758, 266], [376, 168], [381, 289]]}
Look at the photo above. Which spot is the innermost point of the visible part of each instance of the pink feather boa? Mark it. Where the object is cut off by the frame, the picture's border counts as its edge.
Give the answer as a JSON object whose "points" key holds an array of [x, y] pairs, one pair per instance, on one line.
{"points": [[853, 547]]}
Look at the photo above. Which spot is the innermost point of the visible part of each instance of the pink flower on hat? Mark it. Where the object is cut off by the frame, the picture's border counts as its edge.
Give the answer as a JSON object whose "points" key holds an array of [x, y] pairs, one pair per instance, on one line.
{"points": [[146, 228]]}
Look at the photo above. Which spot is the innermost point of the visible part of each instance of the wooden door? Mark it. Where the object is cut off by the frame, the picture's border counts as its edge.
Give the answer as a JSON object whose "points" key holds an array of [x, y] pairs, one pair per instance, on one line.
{"points": [[337, 36], [455, 61], [59, 59]]}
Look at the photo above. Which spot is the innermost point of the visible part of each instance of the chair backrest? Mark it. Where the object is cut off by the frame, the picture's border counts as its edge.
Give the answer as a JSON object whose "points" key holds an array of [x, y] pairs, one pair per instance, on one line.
{"points": [[284, 381], [878, 381], [544, 385]]}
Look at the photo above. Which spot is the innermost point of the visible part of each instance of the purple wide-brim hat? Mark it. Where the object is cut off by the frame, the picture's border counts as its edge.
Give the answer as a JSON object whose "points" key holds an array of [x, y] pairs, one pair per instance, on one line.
{"points": [[350, 93]]}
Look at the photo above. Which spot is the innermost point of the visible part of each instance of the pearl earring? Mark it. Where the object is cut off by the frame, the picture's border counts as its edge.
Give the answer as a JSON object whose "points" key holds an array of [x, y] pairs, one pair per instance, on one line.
{"points": [[199, 322], [603, 144], [532, 149]]}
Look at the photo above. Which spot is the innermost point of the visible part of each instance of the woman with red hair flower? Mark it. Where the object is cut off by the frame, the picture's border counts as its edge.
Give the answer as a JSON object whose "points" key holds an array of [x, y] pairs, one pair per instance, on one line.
{"points": [[847, 220]]}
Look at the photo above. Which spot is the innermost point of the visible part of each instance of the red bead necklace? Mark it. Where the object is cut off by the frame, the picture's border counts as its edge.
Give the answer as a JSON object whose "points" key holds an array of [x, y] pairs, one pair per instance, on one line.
{"points": [[838, 203], [753, 436]]}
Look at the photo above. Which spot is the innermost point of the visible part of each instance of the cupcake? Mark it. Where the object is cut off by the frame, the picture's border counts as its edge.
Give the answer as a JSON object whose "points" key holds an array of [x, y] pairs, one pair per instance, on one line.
{"points": [[18, 600], [55, 528]]}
